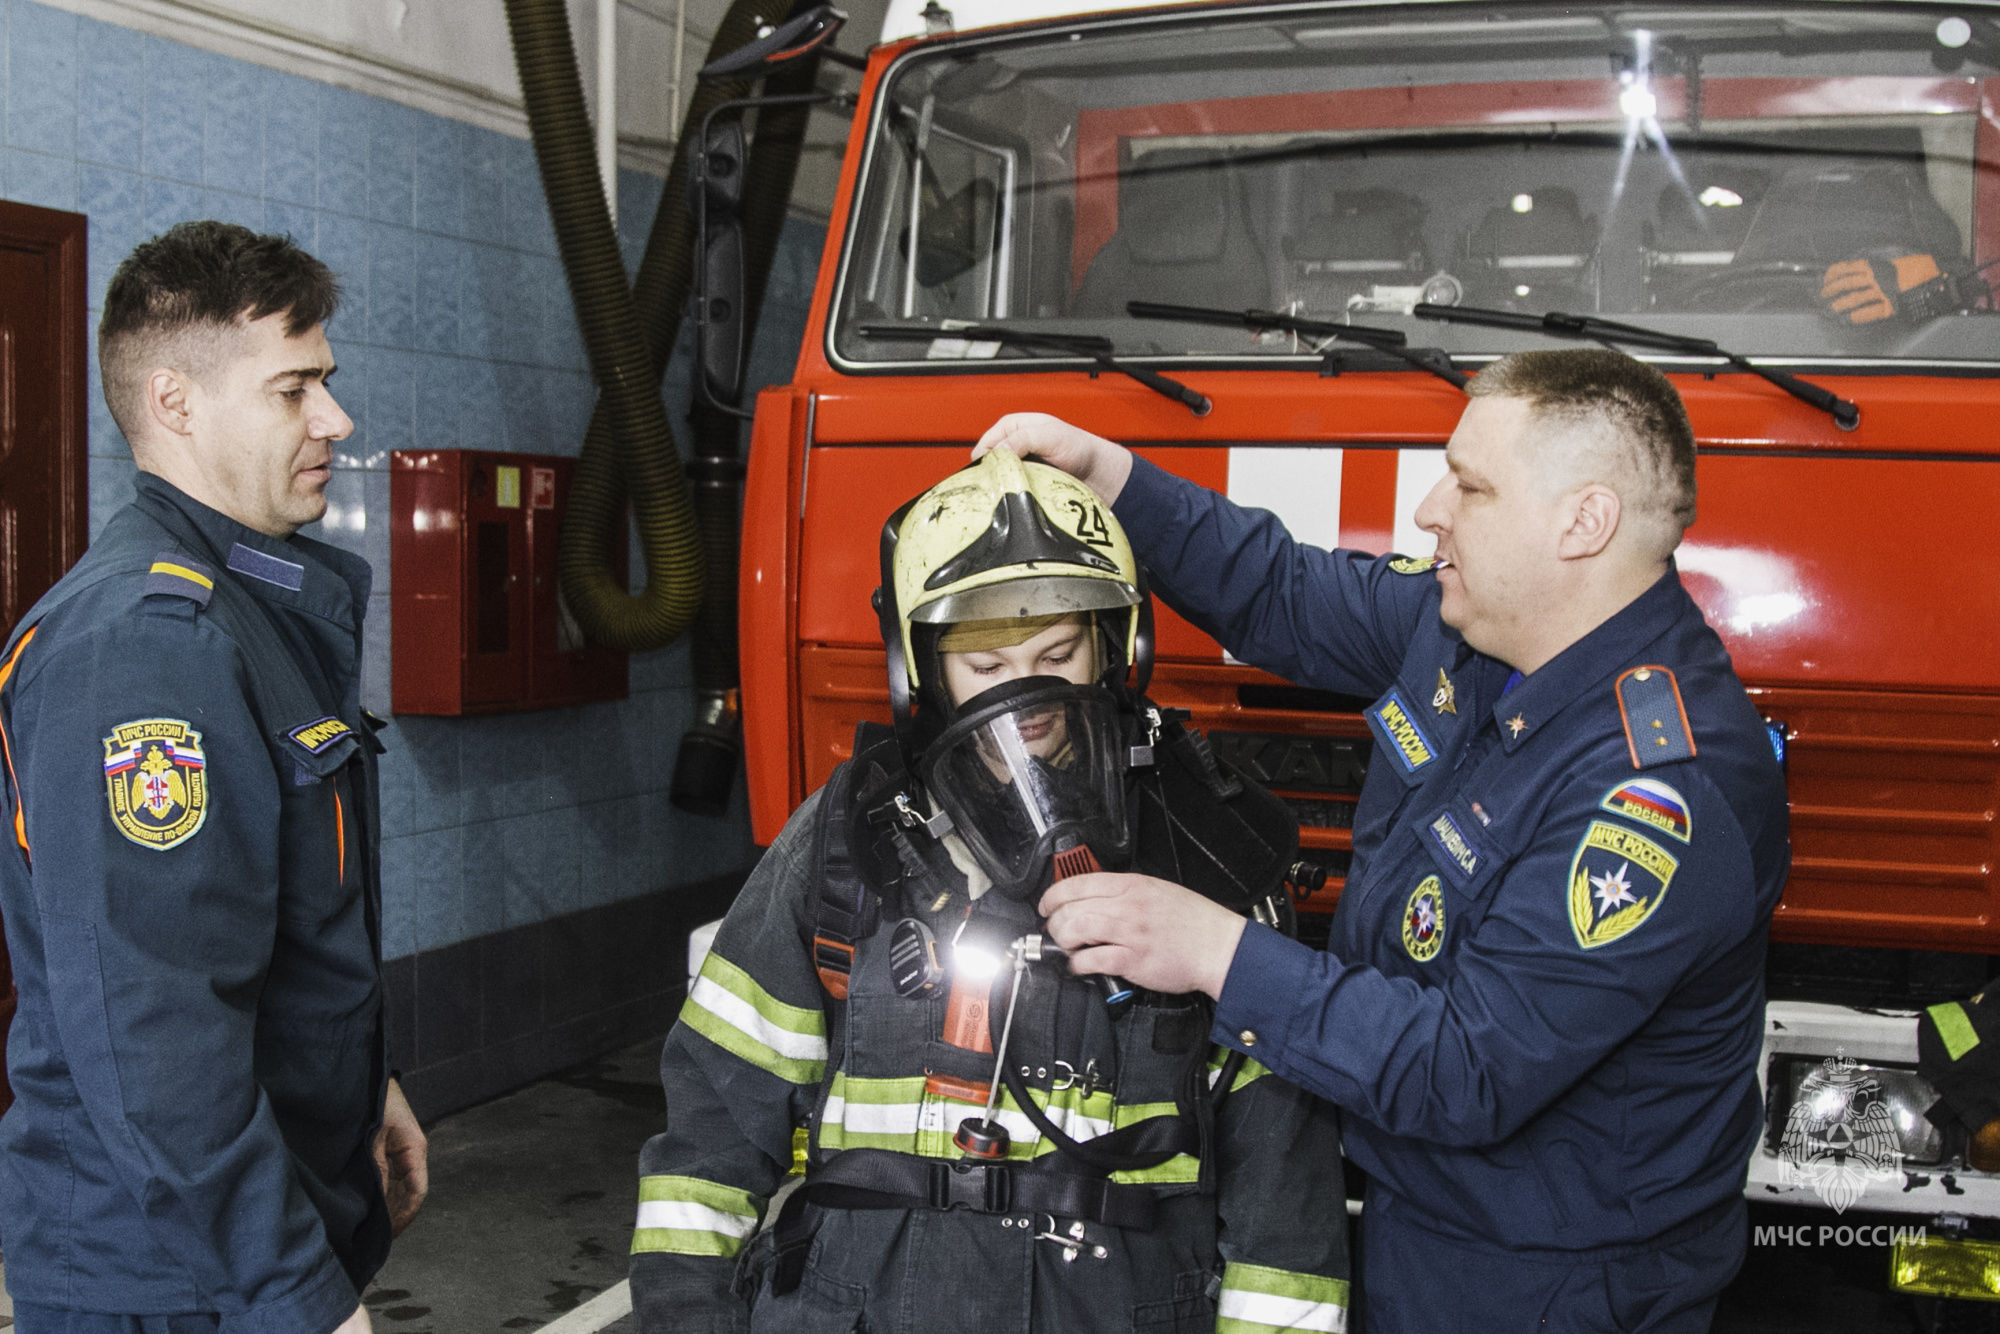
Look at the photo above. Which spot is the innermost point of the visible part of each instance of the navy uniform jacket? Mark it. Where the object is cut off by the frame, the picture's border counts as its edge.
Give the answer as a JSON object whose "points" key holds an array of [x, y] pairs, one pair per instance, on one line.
{"points": [[1542, 1002], [189, 889]]}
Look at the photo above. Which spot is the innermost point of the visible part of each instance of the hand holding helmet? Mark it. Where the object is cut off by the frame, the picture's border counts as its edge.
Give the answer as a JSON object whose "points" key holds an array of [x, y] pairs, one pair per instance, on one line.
{"points": [[1100, 464]]}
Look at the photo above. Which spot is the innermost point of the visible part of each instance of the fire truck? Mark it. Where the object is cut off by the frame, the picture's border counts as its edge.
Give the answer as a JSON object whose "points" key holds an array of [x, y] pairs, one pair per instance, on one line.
{"points": [[1071, 214]]}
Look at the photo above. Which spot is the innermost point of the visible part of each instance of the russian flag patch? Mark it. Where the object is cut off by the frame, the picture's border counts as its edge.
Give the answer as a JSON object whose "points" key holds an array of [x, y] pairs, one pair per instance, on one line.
{"points": [[1651, 802]]}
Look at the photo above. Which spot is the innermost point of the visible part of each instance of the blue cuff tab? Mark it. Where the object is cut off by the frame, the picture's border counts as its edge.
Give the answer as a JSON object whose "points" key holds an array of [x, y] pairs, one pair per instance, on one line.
{"points": [[1254, 1015]]}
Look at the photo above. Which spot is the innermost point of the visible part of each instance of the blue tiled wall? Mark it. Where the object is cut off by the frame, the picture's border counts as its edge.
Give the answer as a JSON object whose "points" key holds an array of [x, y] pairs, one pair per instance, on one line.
{"points": [[456, 331]]}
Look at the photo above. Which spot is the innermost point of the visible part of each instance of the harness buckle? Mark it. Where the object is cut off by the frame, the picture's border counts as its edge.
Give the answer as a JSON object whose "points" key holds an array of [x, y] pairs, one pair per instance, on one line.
{"points": [[937, 826], [833, 960], [981, 1187]]}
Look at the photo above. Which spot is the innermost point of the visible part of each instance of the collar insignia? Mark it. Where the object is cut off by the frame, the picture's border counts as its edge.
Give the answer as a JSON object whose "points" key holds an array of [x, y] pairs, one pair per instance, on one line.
{"points": [[1446, 698], [1517, 725]]}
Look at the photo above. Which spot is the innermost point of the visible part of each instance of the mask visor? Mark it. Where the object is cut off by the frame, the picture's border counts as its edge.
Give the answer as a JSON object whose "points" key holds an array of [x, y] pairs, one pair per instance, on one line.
{"points": [[1031, 768]]}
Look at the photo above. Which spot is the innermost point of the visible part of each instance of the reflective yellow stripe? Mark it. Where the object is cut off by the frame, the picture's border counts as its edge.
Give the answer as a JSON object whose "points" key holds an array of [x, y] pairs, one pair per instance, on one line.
{"points": [[904, 1116], [729, 1008], [1251, 1072], [181, 572], [1257, 1300]]}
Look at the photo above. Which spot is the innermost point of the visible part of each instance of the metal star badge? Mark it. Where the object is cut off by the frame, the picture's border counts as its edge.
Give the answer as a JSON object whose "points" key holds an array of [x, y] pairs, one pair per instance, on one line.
{"points": [[1446, 698], [1517, 724]]}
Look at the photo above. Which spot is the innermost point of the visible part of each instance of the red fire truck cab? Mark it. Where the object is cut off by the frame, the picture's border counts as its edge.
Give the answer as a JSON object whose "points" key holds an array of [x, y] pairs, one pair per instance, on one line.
{"points": [[1693, 169]]}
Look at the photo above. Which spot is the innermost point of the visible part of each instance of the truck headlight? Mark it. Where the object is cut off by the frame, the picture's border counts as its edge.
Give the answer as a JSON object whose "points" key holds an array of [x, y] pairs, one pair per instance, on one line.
{"points": [[1850, 1106]]}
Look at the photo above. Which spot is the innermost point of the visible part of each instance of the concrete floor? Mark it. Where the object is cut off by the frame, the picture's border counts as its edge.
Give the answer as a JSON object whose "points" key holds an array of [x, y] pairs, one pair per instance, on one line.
{"points": [[531, 1205]]}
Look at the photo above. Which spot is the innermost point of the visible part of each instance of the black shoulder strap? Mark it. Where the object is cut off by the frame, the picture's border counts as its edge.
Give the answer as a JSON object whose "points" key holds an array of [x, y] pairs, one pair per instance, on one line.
{"points": [[840, 896], [845, 907], [1206, 825]]}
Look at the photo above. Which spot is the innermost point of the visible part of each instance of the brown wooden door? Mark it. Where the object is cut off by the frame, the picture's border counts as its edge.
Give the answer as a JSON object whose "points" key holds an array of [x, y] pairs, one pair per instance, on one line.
{"points": [[43, 497]]}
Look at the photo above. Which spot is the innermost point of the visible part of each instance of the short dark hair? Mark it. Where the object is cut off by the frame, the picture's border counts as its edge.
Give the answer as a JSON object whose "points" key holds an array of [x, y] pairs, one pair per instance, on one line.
{"points": [[201, 278], [1570, 386]]}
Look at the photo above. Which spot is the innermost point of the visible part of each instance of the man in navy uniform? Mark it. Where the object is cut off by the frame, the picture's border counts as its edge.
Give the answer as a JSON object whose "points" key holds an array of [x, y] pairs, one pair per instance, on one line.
{"points": [[204, 1122], [1542, 1002]]}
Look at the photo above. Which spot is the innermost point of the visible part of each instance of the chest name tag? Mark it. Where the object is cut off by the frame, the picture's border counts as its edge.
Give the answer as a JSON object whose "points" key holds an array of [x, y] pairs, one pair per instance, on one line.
{"points": [[316, 736], [1454, 842], [1412, 748], [1651, 802], [156, 778], [1617, 880]]}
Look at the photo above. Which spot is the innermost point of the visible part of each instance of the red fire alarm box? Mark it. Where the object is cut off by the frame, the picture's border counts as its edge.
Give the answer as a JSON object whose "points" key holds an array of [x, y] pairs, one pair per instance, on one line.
{"points": [[476, 619]]}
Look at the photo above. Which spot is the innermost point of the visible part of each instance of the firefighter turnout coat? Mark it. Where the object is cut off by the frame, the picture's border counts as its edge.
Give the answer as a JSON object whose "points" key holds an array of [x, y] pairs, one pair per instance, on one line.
{"points": [[767, 1071]]}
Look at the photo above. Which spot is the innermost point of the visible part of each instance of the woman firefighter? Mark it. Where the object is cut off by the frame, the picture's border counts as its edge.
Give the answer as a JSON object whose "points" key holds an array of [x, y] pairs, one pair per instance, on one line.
{"points": [[985, 1141]]}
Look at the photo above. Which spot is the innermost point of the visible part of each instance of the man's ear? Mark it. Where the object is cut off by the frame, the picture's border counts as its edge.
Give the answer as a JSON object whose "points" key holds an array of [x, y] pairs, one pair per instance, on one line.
{"points": [[170, 401], [1594, 513]]}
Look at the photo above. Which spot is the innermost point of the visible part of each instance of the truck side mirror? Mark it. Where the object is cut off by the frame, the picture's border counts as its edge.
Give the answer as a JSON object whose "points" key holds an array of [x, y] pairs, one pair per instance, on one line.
{"points": [[715, 195], [797, 37]]}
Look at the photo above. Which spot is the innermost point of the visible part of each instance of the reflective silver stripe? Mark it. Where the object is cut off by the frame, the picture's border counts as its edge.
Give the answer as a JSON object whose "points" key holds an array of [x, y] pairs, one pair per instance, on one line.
{"points": [[742, 1016], [687, 1216], [1272, 1312]]}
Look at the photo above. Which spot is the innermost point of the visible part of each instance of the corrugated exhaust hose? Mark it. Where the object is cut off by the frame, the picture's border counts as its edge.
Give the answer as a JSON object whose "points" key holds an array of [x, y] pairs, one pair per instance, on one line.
{"points": [[629, 447], [628, 333]]}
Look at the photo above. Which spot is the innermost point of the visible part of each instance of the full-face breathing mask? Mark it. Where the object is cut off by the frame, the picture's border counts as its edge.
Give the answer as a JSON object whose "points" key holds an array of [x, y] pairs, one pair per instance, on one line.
{"points": [[1029, 771]]}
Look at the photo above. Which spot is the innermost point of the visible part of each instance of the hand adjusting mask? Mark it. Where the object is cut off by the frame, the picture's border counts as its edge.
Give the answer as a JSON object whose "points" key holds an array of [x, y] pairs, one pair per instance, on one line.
{"points": [[1030, 769]]}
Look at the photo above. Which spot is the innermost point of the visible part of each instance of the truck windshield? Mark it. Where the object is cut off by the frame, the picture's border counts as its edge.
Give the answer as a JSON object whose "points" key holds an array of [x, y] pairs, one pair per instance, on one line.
{"points": [[1808, 185]]}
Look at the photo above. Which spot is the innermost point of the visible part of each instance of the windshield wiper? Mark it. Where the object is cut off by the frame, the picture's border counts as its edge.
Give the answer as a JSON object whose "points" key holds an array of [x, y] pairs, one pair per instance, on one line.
{"points": [[1089, 346], [1390, 341], [1555, 324]]}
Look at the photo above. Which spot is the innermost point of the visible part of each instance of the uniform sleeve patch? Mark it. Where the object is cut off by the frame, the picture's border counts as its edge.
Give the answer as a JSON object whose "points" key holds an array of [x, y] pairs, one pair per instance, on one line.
{"points": [[1413, 564], [156, 778], [1617, 879], [179, 576], [1649, 801], [319, 734]]}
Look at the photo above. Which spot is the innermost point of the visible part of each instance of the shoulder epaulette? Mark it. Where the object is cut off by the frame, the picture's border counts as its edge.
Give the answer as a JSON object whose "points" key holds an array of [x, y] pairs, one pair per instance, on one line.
{"points": [[1656, 722], [182, 577]]}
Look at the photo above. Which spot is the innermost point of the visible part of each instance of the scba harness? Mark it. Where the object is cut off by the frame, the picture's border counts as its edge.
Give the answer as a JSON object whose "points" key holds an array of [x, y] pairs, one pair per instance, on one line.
{"points": [[1197, 823]]}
